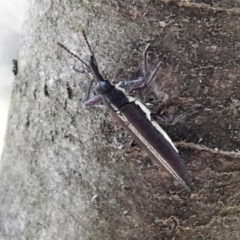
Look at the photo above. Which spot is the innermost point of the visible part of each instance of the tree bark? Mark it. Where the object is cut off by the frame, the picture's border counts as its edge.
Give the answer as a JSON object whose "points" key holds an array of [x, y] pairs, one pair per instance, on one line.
{"points": [[65, 174]]}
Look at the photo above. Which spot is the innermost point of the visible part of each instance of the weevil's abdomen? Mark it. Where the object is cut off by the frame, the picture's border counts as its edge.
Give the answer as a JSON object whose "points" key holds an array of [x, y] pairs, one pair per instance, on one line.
{"points": [[153, 140], [135, 117]]}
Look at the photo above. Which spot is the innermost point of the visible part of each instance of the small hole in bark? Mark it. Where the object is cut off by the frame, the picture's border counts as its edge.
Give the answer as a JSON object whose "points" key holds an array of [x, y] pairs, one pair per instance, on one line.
{"points": [[46, 92], [69, 91], [27, 124]]}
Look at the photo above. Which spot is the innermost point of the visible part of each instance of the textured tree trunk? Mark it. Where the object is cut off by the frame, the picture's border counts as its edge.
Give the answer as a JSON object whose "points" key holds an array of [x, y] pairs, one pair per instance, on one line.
{"points": [[65, 174]]}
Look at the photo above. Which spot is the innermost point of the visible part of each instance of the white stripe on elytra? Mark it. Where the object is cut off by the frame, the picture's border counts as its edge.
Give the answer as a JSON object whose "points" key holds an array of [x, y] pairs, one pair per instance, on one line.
{"points": [[154, 123]]}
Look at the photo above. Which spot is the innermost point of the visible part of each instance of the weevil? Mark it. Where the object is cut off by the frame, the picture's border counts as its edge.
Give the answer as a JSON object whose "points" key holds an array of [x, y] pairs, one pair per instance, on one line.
{"points": [[135, 117]]}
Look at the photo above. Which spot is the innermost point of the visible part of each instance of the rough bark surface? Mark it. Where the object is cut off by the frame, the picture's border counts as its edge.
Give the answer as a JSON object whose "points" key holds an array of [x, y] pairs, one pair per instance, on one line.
{"points": [[64, 174]]}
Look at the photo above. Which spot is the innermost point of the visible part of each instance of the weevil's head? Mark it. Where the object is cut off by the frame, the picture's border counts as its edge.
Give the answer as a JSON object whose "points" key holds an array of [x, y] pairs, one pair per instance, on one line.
{"points": [[104, 86]]}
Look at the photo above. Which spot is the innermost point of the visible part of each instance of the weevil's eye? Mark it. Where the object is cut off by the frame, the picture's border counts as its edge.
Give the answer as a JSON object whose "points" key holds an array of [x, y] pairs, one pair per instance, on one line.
{"points": [[104, 86]]}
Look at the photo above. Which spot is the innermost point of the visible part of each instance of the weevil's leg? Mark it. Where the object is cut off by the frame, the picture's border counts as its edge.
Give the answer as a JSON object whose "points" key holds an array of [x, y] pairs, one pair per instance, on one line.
{"points": [[152, 76], [141, 82], [89, 91], [144, 61], [83, 71], [93, 101], [147, 77], [88, 101], [180, 118], [184, 115]]}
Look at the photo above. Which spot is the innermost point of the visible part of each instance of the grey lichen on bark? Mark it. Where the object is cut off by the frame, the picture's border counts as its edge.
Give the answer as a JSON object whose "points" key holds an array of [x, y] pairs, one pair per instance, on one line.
{"points": [[64, 174]]}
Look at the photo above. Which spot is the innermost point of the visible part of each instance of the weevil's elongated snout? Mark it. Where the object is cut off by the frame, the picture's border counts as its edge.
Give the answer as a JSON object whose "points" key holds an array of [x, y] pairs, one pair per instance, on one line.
{"points": [[94, 69]]}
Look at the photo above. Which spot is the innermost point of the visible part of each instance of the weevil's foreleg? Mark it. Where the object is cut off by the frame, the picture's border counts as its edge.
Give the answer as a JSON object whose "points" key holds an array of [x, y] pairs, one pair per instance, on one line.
{"points": [[95, 100], [83, 71], [147, 77], [89, 91], [180, 118]]}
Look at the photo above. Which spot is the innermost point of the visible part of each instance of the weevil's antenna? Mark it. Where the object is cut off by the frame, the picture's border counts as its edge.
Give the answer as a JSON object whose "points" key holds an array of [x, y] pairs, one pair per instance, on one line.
{"points": [[86, 40], [83, 62], [73, 54]]}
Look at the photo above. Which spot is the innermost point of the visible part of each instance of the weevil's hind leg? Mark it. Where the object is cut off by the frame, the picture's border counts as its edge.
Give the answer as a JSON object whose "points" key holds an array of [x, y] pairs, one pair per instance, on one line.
{"points": [[152, 76], [180, 118], [147, 77]]}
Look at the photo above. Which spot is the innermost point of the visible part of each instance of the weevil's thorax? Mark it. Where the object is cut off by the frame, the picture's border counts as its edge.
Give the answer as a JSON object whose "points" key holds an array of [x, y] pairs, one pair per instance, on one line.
{"points": [[113, 95]]}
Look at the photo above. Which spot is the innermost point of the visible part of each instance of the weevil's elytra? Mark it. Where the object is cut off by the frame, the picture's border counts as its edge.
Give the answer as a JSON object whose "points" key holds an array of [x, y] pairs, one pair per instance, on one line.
{"points": [[136, 118]]}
